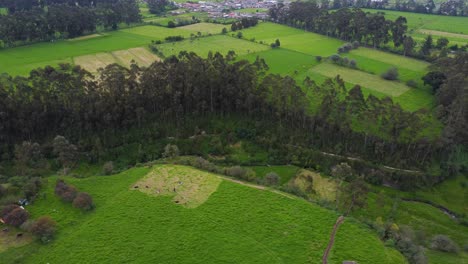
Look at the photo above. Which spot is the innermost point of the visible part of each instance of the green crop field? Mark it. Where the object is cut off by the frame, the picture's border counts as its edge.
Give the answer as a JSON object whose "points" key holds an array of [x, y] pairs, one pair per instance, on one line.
{"points": [[235, 224], [21, 60], [218, 43]]}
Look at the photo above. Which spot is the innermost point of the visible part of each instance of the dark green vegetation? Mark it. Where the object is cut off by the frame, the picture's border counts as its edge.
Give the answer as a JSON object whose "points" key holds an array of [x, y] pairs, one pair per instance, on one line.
{"points": [[33, 21]]}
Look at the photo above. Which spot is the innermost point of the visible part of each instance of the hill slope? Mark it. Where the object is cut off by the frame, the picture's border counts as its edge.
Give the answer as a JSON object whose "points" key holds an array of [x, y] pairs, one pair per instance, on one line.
{"points": [[236, 224]]}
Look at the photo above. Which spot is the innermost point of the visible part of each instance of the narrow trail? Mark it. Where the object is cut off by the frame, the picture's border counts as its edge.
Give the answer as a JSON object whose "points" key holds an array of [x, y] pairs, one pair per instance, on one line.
{"points": [[339, 221]]}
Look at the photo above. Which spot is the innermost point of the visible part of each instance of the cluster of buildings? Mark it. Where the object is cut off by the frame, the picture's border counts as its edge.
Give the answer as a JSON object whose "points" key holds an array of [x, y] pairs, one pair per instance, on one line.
{"points": [[227, 8]]}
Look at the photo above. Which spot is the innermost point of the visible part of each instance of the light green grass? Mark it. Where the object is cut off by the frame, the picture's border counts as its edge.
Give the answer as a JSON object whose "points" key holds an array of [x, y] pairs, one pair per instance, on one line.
{"points": [[21, 60], [209, 28], [293, 39], [390, 88], [217, 43], [237, 224], [418, 22]]}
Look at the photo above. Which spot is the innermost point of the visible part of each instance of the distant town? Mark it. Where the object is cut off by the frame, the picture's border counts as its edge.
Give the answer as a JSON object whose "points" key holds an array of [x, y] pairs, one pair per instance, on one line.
{"points": [[227, 9]]}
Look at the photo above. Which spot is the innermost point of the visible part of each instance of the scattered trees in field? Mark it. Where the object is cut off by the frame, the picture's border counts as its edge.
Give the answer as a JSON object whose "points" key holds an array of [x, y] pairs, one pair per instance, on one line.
{"points": [[244, 23], [67, 153], [70, 194]]}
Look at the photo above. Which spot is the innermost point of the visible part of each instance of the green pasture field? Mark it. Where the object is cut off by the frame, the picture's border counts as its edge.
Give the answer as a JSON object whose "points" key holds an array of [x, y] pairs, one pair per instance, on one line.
{"points": [[217, 43], [419, 23], [237, 224], [293, 39], [21, 60], [208, 28]]}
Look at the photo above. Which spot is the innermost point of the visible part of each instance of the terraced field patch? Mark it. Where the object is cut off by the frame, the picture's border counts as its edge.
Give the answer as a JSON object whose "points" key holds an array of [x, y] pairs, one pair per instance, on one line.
{"points": [[369, 81]]}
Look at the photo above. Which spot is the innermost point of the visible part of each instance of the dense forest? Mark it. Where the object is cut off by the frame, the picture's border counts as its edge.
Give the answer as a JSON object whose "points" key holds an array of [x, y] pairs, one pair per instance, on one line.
{"points": [[171, 98], [32, 21]]}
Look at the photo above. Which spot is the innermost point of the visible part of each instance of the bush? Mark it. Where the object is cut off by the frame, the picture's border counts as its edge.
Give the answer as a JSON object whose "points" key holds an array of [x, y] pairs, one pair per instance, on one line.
{"points": [[174, 38], [241, 173], [391, 74], [353, 64], [356, 44], [318, 58], [16, 217], [44, 228], [272, 178], [65, 192], [171, 151], [83, 201], [8, 209], [444, 243], [345, 61], [335, 58], [108, 168], [412, 83]]}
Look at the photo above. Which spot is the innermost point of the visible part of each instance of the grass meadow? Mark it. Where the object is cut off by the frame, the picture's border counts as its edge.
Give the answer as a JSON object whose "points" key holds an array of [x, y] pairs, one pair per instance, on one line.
{"points": [[237, 224], [421, 25]]}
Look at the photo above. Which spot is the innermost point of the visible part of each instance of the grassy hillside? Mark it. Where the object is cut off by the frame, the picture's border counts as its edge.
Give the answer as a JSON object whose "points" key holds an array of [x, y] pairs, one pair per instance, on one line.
{"points": [[236, 224]]}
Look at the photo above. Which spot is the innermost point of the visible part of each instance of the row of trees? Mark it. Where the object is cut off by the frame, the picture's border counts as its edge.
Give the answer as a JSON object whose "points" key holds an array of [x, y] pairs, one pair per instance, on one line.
{"points": [[346, 24], [56, 21]]}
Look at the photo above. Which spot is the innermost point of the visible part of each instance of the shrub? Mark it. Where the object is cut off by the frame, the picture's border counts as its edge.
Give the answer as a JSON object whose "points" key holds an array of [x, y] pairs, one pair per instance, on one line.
{"points": [[345, 61], [444, 243], [16, 217], [335, 58], [44, 228], [65, 192], [83, 201], [171, 24], [239, 35], [108, 168], [356, 44], [224, 31], [272, 178], [171, 151], [412, 83], [318, 58], [241, 173], [8, 209], [353, 64], [391, 74], [174, 38]]}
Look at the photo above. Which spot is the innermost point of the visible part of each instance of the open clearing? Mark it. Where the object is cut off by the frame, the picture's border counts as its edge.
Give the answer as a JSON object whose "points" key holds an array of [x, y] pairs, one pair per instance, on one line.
{"points": [[237, 224], [188, 189], [218, 43], [374, 82]]}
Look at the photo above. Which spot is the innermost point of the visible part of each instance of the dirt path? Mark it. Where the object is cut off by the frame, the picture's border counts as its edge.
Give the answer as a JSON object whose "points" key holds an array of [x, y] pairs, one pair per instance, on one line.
{"points": [[339, 221], [259, 187]]}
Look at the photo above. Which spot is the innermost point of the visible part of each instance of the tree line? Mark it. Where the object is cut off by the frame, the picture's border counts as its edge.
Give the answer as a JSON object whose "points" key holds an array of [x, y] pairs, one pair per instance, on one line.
{"points": [[346, 24], [51, 20], [169, 98]]}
